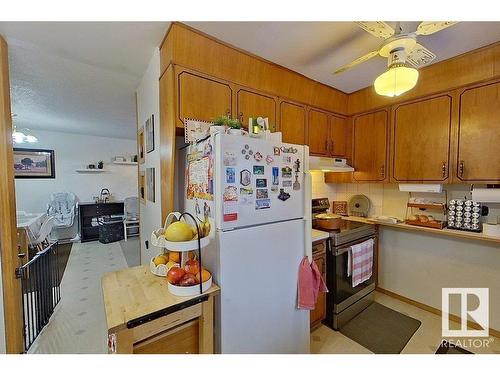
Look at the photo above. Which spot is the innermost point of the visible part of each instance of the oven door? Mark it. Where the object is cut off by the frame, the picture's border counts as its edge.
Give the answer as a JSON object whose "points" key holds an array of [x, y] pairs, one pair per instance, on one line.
{"points": [[342, 293]]}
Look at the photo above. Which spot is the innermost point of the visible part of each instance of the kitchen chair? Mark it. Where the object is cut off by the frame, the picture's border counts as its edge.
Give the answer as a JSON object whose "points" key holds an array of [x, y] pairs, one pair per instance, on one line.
{"points": [[42, 238], [131, 216]]}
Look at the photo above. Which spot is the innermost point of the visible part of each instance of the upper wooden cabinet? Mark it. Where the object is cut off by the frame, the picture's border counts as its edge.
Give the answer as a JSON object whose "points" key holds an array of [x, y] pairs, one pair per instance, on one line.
{"points": [[421, 140], [202, 98], [339, 134], [478, 156], [370, 132], [319, 133], [293, 123], [254, 104], [327, 134]]}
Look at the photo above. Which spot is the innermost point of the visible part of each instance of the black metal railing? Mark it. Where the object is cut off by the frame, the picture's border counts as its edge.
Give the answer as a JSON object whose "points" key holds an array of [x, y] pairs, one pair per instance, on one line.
{"points": [[40, 283]]}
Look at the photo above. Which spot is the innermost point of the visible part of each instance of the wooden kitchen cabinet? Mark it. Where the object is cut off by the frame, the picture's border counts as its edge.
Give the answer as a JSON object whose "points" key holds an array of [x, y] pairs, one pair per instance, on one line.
{"points": [[319, 313], [370, 146], [421, 140], [202, 98], [319, 133], [478, 135], [254, 104], [293, 122], [339, 132]]}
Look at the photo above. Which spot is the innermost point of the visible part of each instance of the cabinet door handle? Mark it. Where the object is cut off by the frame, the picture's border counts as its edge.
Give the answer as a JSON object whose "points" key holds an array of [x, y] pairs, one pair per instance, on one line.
{"points": [[228, 113], [326, 145], [382, 171], [241, 117], [443, 169], [461, 169], [331, 146]]}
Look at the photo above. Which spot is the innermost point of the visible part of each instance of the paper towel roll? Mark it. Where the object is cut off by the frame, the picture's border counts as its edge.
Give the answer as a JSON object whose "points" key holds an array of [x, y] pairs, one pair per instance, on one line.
{"points": [[486, 195]]}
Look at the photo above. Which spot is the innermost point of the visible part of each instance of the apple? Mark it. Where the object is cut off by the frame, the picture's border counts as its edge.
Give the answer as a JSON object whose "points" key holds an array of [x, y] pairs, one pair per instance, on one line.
{"points": [[175, 274], [192, 266], [188, 280]]}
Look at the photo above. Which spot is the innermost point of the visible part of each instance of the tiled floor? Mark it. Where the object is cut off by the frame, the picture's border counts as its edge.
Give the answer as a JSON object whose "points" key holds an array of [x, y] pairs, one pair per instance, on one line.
{"points": [[78, 324], [425, 341]]}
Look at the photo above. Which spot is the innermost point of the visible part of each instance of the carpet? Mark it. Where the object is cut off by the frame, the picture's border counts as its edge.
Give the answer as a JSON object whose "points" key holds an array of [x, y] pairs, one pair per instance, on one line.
{"points": [[381, 329]]}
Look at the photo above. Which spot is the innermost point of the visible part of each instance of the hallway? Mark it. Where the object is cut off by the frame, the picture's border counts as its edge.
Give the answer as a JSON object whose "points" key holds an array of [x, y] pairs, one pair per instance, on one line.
{"points": [[78, 324]]}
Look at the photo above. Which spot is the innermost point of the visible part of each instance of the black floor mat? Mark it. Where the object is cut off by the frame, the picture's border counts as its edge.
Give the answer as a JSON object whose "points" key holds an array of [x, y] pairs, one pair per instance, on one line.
{"points": [[448, 348], [381, 329]]}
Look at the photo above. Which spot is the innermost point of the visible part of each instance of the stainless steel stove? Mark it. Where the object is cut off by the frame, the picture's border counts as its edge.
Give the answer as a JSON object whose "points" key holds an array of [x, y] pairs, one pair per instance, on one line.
{"points": [[343, 301]]}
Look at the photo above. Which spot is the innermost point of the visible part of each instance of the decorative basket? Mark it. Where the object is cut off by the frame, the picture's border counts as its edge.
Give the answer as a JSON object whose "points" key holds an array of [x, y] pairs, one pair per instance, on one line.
{"points": [[159, 270], [158, 240], [189, 290]]}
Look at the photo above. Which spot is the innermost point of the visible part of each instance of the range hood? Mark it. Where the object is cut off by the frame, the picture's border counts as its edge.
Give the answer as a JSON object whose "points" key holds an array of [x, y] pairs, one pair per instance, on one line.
{"points": [[317, 163]]}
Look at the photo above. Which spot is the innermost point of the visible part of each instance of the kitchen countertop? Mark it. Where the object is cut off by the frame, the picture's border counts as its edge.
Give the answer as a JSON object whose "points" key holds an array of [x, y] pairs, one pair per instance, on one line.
{"points": [[135, 292], [444, 232], [318, 235]]}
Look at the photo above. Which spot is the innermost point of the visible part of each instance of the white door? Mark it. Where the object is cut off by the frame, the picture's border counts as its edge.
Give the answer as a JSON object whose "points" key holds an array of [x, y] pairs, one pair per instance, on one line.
{"points": [[258, 279], [257, 181]]}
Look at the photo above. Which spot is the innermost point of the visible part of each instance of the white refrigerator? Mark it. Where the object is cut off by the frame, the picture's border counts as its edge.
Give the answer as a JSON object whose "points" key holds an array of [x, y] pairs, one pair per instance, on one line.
{"points": [[257, 194]]}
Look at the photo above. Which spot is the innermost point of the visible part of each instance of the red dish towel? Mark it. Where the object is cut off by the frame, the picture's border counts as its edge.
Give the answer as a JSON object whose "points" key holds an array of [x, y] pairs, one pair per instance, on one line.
{"points": [[360, 262], [310, 285]]}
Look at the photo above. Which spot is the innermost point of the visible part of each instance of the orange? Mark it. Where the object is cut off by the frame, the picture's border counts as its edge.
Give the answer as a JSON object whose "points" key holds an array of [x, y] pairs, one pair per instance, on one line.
{"points": [[174, 256]]}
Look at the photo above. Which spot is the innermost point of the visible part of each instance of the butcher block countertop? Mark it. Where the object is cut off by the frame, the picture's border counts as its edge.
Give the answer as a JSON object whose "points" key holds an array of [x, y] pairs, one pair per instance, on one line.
{"points": [[443, 232], [318, 235], [134, 293]]}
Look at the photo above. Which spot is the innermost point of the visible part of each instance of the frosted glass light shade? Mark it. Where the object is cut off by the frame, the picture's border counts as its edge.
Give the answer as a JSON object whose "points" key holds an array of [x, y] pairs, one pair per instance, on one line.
{"points": [[396, 80]]}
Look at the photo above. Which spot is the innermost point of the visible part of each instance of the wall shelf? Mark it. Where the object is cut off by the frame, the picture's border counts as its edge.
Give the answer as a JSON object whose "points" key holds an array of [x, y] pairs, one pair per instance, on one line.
{"points": [[125, 162], [88, 170]]}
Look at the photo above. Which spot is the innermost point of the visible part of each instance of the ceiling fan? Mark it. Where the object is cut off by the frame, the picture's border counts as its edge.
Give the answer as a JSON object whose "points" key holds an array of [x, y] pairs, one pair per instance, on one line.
{"points": [[404, 54]]}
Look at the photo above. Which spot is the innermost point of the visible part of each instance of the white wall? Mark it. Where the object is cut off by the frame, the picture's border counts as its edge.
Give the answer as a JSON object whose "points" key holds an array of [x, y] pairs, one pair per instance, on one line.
{"points": [[74, 151], [148, 103]]}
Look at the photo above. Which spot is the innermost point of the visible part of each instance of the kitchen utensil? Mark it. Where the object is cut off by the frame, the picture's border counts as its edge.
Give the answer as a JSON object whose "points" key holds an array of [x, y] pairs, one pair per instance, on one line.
{"points": [[340, 208], [328, 221], [359, 205]]}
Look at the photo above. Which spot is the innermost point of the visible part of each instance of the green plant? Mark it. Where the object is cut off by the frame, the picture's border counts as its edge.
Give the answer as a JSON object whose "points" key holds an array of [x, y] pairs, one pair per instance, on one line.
{"points": [[221, 120], [234, 124]]}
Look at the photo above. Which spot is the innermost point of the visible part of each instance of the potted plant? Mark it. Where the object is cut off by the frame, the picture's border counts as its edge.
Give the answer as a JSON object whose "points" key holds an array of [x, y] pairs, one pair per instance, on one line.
{"points": [[234, 127], [100, 164], [219, 124]]}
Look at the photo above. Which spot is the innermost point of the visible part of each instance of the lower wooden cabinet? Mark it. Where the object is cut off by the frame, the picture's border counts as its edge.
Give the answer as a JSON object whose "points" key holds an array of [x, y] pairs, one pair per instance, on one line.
{"points": [[319, 313]]}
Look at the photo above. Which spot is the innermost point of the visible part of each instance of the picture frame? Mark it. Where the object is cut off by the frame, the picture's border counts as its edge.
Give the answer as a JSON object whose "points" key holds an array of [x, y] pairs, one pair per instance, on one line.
{"points": [[150, 184], [34, 163], [149, 131], [140, 146], [142, 187]]}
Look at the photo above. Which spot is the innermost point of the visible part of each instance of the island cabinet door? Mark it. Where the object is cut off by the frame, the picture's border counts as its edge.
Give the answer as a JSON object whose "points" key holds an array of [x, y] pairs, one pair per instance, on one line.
{"points": [[478, 156], [370, 133], [254, 104], [421, 140], [318, 129], [202, 98], [293, 123]]}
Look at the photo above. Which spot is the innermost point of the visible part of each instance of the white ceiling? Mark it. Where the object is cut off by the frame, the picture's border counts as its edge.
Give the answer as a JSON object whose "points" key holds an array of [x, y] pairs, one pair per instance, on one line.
{"points": [[79, 77], [316, 49]]}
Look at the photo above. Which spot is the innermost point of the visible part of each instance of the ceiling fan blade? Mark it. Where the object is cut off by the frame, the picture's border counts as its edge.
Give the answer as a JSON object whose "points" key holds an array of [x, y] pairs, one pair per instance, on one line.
{"points": [[359, 60], [428, 28], [420, 56], [377, 28]]}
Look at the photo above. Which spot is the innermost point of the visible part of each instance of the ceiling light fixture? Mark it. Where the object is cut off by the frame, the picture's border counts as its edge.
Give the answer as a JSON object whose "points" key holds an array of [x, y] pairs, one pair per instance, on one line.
{"points": [[396, 80], [20, 136]]}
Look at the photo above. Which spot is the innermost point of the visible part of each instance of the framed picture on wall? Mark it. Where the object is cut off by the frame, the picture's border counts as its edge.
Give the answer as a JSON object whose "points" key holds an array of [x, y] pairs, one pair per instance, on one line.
{"points": [[149, 130], [142, 186], [150, 184], [34, 163], [140, 145]]}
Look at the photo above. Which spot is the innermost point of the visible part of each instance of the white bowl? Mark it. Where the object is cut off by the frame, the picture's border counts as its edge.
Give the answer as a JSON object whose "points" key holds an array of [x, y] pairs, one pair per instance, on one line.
{"points": [[159, 270], [189, 290], [185, 245]]}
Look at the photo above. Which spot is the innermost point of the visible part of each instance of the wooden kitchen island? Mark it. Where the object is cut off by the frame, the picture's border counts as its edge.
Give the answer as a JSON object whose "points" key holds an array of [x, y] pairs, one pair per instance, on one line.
{"points": [[144, 318]]}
